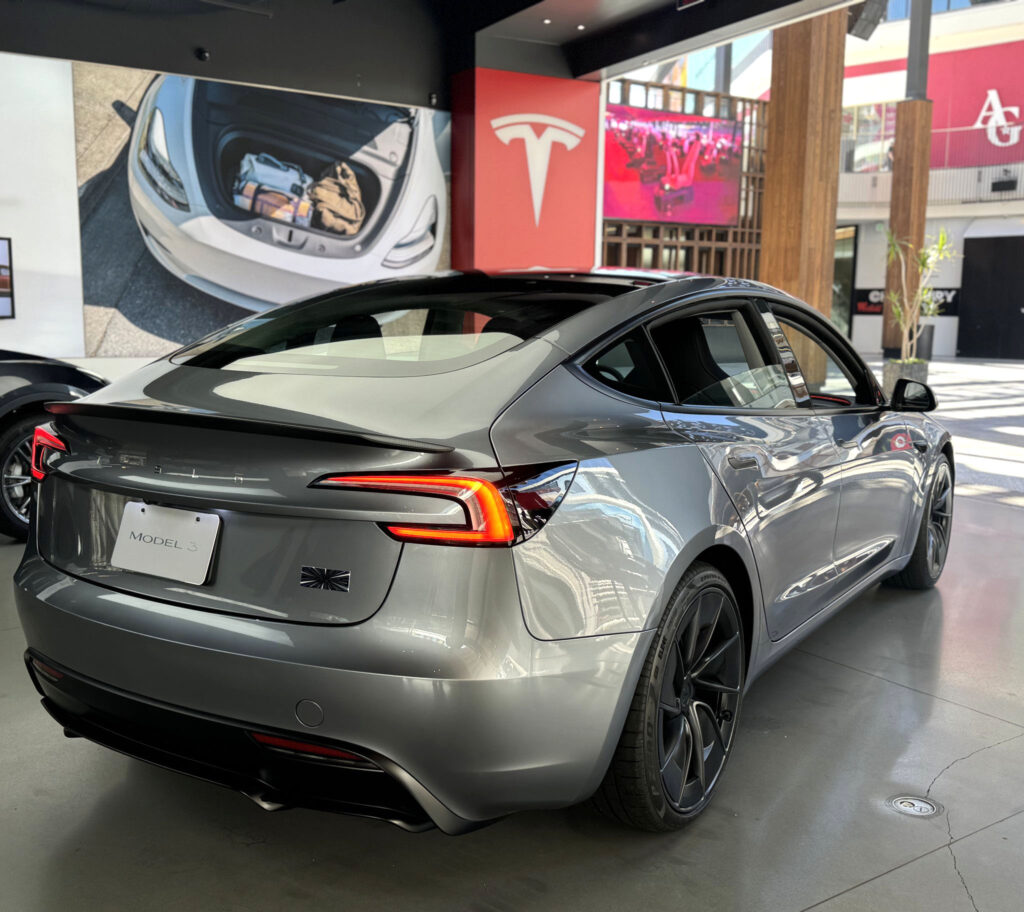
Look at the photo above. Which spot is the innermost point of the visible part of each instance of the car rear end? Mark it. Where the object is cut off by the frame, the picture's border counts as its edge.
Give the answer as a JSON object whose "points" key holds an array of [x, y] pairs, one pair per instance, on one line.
{"points": [[294, 577]]}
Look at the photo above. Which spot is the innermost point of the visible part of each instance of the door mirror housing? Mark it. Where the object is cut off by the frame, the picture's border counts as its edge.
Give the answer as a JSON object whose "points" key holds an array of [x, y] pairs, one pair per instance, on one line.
{"points": [[912, 396]]}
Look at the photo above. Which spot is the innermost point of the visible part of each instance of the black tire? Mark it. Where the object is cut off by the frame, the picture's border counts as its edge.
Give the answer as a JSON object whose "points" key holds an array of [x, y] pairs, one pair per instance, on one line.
{"points": [[15, 459], [692, 680], [932, 545]]}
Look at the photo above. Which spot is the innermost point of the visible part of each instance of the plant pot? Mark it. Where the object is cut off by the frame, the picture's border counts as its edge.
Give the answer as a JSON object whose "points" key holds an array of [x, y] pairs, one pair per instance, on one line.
{"points": [[925, 341], [894, 370]]}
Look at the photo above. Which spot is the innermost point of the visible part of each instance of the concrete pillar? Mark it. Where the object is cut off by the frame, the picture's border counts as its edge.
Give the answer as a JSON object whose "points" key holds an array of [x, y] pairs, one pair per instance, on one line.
{"points": [[802, 165]]}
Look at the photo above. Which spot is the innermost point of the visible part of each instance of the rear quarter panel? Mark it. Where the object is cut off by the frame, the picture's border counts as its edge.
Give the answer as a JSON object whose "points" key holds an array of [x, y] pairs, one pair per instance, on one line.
{"points": [[643, 505]]}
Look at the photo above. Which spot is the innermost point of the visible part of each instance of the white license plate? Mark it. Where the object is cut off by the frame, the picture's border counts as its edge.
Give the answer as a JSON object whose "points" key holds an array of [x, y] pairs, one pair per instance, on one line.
{"points": [[162, 541]]}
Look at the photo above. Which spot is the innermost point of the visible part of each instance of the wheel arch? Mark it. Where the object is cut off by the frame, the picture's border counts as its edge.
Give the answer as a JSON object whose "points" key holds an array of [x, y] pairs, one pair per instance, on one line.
{"points": [[729, 563], [947, 450]]}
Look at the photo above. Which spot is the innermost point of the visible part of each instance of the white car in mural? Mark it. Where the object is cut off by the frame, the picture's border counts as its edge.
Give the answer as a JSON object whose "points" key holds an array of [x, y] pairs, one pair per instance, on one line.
{"points": [[259, 196]]}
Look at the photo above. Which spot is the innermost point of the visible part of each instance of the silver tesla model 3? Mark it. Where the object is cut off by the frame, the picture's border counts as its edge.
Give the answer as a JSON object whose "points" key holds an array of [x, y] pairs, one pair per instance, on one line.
{"points": [[436, 550]]}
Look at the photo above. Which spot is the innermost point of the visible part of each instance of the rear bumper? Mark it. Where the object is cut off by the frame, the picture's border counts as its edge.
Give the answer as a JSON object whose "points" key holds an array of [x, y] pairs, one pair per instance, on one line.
{"points": [[467, 714], [225, 753]]}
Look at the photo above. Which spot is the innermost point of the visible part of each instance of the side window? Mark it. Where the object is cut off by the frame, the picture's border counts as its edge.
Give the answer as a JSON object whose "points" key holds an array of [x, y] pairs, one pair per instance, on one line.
{"points": [[630, 366], [828, 382], [714, 360]]}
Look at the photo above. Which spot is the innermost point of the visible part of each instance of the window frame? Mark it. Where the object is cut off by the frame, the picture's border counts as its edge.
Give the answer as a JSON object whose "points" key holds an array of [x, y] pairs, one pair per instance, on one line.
{"points": [[746, 308], [820, 331], [607, 345], [748, 298]]}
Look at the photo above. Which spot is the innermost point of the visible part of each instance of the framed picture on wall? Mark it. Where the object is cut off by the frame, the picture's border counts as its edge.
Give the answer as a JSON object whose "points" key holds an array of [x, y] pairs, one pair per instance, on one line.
{"points": [[6, 280]]}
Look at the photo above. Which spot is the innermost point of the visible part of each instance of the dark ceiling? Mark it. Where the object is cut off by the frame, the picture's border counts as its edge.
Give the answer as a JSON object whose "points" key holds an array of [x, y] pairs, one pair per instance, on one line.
{"points": [[391, 50]]}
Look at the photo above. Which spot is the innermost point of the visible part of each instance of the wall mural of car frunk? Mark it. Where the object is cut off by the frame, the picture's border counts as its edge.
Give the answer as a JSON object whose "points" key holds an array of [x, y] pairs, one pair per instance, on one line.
{"points": [[259, 196]]}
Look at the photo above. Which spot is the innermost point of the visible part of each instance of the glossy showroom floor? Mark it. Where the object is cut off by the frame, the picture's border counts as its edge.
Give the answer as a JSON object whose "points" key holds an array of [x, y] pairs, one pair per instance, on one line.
{"points": [[902, 693]]}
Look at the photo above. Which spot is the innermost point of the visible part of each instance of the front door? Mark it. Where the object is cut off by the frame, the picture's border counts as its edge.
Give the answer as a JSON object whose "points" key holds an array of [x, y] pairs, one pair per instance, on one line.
{"points": [[774, 456], [879, 464]]}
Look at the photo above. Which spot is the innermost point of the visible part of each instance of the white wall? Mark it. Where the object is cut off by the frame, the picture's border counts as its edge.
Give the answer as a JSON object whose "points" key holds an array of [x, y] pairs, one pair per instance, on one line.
{"points": [[39, 206], [866, 333]]}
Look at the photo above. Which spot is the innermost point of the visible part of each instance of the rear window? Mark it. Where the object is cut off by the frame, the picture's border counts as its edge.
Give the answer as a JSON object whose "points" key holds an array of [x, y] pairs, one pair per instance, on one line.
{"points": [[391, 331]]}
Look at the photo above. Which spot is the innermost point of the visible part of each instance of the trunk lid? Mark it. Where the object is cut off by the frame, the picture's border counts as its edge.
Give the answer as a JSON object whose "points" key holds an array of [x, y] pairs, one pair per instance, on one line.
{"points": [[247, 447]]}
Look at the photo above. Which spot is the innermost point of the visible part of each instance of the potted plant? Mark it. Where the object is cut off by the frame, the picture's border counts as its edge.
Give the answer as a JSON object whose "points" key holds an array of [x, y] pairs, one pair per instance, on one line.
{"points": [[908, 308]]}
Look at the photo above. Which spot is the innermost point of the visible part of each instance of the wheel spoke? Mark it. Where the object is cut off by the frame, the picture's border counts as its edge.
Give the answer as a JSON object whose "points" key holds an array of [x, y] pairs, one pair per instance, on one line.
{"points": [[715, 656], [685, 765], [698, 748], [673, 751], [716, 686], [715, 727], [692, 632]]}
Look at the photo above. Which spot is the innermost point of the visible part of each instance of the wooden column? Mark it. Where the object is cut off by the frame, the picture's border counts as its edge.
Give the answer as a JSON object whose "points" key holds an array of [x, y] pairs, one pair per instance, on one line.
{"points": [[909, 201], [802, 165]]}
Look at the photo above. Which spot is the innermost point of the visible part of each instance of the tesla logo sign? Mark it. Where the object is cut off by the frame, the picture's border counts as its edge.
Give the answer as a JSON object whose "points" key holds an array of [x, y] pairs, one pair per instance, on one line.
{"points": [[524, 171], [538, 146], [1000, 130]]}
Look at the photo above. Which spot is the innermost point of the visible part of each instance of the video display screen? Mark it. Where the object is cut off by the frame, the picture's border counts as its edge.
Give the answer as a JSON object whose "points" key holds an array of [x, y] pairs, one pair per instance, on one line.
{"points": [[666, 167]]}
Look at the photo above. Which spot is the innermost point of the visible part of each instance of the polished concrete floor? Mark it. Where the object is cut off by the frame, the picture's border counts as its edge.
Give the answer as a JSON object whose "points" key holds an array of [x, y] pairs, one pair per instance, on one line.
{"points": [[902, 693]]}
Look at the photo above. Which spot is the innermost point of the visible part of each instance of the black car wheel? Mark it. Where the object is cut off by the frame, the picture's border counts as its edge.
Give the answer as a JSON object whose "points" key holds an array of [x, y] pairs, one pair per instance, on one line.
{"points": [[682, 722], [18, 489], [932, 546]]}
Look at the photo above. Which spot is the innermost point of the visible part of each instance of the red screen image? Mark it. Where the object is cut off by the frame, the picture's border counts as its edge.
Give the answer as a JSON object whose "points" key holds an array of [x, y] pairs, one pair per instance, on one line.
{"points": [[664, 167]]}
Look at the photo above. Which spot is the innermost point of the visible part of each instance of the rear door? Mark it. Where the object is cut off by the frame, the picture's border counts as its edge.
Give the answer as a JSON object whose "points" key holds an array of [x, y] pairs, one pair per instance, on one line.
{"points": [[733, 396], [879, 464]]}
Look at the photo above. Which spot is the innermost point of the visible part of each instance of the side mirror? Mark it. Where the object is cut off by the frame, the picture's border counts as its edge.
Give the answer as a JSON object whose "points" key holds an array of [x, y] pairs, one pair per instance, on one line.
{"points": [[912, 396]]}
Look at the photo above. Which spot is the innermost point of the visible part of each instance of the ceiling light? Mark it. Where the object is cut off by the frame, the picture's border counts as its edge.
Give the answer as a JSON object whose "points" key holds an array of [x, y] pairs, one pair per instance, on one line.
{"points": [[547, 22], [581, 27]]}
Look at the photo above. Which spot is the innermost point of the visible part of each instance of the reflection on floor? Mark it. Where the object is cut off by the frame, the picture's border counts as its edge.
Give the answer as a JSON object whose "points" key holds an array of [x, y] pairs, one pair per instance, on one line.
{"points": [[902, 693]]}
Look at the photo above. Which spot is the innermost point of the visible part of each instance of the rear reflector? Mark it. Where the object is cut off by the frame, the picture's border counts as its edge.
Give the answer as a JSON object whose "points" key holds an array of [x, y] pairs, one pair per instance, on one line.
{"points": [[304, 747], [44, 442], [487, 517], [46, 671]]}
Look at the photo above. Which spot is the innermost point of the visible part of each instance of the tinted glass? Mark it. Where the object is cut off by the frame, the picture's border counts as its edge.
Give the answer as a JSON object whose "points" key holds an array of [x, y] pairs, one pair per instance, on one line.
{"points": [[827, 382], [630, 366], [714, 360], [393, 330]]}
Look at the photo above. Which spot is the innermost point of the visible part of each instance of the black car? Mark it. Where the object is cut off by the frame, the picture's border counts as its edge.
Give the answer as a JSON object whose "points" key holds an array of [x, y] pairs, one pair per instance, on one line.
{"points": [[26, 383]]}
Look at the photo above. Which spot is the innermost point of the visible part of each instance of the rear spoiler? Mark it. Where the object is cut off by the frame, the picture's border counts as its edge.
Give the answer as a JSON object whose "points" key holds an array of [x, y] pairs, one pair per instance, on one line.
{"points": [[241, 425]]}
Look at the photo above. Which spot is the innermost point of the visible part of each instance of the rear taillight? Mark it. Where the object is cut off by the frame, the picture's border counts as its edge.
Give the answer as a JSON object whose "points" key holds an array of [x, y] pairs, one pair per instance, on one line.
{"points": [[500, 513], [45, 443], [487, 518]]}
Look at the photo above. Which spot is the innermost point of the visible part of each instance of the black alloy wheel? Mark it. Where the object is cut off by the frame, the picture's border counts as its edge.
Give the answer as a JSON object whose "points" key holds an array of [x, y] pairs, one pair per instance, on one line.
{"points": [[682, 722], [932, 546], [700, 696], [940, 519]]}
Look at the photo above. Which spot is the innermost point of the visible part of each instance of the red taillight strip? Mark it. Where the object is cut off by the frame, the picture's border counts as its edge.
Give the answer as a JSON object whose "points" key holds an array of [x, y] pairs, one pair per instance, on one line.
{"points": [[304, 747], [43, 440], [489, 522]]}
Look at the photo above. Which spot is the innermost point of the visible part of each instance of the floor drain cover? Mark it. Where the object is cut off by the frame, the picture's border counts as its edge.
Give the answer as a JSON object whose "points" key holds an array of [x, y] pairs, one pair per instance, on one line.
{"points": [[914, 807]]}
